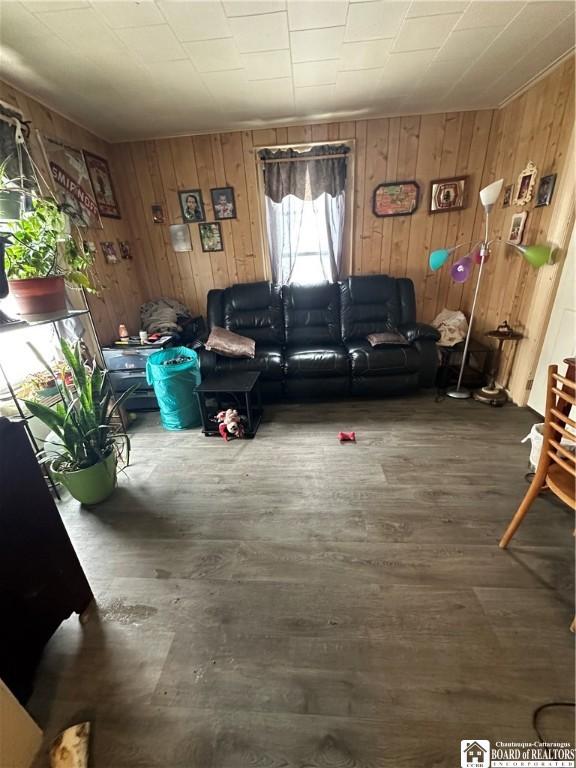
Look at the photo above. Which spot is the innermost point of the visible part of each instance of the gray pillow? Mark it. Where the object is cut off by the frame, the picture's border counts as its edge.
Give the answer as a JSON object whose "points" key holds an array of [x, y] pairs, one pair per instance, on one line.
{"points": [[230, 344], [388, 337]]}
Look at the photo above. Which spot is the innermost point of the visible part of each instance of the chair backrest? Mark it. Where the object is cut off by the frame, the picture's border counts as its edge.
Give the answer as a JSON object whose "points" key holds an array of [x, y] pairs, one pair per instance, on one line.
{"points": [[561, 396], [312, 313], [250, 309], [374, 304]]}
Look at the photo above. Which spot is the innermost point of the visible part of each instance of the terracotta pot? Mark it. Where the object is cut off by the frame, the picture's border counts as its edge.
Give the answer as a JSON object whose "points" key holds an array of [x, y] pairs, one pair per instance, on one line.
{"points": [[39, 295]]}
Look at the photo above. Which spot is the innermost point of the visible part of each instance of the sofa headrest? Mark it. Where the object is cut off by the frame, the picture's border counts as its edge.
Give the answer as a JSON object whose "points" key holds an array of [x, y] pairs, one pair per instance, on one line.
{"points": [[372, 289], [310, 296], [246, 296]]}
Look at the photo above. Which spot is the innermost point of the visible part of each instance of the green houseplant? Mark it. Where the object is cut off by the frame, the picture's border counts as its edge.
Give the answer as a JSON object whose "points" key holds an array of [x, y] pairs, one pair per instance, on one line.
{"points": [[88, 445], [41, 256]]}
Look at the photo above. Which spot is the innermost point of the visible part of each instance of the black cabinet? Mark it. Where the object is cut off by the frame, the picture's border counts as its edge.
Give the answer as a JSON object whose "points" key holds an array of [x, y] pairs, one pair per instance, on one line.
{"points": [[126, 367], [41, 579]]}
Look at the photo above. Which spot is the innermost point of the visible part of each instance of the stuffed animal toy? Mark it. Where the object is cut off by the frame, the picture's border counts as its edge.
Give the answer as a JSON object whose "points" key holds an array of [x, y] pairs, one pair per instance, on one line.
{"points": [[230, 424]]}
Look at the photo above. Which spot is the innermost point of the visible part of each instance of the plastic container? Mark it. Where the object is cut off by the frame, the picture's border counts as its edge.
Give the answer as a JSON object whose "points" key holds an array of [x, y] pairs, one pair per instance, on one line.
{"points": [[175, 386], [536, 438]]}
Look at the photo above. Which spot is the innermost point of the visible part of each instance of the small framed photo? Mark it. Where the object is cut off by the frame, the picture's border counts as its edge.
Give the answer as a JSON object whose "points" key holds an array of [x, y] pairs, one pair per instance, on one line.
{"points": [[545, 190], [180, 238], [525, 185], [191, 205], [507, 196], [89, 247], [101, 179], [397, 198], [125, 251], [447, 194], [157, 213], [211, 237], [109, 251], [223, 203], [517, 227]]}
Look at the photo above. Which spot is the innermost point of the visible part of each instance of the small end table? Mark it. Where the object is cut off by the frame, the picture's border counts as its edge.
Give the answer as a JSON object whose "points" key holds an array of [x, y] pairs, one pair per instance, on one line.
{"points": [[493, 394], [240, 389]]}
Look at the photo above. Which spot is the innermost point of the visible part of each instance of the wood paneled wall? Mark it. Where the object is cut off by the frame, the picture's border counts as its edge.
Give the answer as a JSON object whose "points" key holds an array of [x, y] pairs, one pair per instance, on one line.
{"points": [[121, 292]]}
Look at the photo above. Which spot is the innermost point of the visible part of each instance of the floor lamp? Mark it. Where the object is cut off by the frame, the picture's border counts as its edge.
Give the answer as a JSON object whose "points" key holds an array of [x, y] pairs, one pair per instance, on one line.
{"points": [[537, 255]]}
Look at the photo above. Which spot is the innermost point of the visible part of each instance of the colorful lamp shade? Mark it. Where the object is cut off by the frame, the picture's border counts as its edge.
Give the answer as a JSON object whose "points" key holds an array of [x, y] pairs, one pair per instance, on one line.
{"points": [[537, 255], [438, 258], [462, 269]]}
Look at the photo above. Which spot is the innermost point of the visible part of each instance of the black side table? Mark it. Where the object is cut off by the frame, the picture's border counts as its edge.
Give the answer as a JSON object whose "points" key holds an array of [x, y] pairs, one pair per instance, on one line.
{"points": [[493, 394], [238, 390]]}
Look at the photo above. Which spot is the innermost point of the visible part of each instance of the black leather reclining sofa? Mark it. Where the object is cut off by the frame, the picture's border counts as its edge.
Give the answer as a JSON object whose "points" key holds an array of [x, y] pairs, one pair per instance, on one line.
{"points": [[311, 340]]}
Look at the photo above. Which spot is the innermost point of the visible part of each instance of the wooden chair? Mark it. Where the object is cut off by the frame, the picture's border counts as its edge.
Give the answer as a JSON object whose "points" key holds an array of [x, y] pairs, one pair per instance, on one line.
{"points": [[556, 470]]}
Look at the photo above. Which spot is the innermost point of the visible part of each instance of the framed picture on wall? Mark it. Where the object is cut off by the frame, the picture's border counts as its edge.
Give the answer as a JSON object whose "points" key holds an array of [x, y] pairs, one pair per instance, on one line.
{"points": [[191, 205], [109, 251], [525, 185], [101, 179], [545, 190], [211, 237], [223, 203], [125, 250], [397, 198], [157, 213], [447, 194], [517, 227], [507, 199], [180, 238]]}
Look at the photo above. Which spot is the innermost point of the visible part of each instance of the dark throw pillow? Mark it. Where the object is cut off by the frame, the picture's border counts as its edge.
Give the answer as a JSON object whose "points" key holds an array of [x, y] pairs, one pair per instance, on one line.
{"points": [[230, 344]]}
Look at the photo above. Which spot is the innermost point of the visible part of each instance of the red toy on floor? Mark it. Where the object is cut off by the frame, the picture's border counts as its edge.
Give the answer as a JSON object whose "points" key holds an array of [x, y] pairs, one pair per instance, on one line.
{"points": [[347, 437]]}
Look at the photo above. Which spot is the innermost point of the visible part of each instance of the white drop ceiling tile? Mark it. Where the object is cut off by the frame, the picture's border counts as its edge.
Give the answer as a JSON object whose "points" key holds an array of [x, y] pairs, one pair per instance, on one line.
{"points": [[431, 8], [467, 43], [312, 14], [267, 65], [359, 80], [446, 70], [155, 43], [224, 84], [266, 32], [404, 67], [19, 24], [38, 6], [252, 7], [489, 13], [121, 13], [315, 73], [214, 55], [318, 97], [372, 20], [366, 55], [198, 20], [81, 28], [425, 32], [316, 44]]}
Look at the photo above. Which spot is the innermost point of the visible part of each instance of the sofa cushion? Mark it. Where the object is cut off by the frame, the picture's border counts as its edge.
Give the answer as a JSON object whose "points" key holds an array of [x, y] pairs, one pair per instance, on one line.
{"points": [[255, 310], [312, 313], [388, 337], [366, 360], [375, 304], [316, 360], [268, 359]]}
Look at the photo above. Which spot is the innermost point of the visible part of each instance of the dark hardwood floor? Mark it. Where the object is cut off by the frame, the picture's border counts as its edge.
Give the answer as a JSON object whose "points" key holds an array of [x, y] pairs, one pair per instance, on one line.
{"points": [[291, 602]]}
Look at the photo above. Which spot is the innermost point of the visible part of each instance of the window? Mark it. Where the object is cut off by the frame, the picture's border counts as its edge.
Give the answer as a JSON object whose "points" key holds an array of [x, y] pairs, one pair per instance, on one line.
{"points": [[305, 205]]}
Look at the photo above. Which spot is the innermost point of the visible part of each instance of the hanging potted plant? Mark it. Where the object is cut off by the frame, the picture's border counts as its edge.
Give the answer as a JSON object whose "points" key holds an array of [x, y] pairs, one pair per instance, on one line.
{"points": [[88, 445], [41, 256]]}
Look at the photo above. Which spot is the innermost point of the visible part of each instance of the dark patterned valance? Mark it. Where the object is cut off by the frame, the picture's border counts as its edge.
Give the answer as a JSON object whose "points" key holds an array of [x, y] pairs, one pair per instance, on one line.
{"points": [[305, 175]]}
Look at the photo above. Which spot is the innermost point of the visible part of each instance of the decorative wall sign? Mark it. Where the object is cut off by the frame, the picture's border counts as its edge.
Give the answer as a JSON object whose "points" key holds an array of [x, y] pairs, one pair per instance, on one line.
{"points": [[180, 238], [517, 227], [191, 205], [157, 213], [211, 237], [109, 251], [507, 195], [102, 185], [223, 203], [396, 198], [125, 250], [73, 187], [525, 185], [447, 194], [545, 190]]}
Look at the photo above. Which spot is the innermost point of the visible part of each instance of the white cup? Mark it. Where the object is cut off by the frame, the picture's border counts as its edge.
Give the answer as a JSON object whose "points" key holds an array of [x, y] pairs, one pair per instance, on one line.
{"points": [[143, 337]]}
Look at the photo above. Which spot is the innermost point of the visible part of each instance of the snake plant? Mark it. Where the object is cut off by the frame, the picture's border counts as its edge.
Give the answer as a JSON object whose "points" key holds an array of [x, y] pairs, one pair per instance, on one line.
{"points": [[82, 419]]}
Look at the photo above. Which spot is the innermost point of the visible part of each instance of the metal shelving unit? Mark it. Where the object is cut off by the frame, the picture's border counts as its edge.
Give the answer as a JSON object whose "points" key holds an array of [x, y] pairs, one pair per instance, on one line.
{"points": [[53, 319]]}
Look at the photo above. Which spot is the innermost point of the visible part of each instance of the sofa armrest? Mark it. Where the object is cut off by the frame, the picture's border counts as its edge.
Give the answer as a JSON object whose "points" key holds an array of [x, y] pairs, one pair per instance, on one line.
{"points": [[428, 352], [419, 331], [208, 361]]}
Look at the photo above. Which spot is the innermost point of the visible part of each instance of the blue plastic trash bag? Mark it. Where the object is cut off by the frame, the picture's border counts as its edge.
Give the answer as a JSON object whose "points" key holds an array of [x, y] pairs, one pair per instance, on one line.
{"points": [[175, 386]]}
